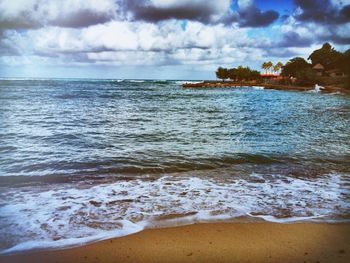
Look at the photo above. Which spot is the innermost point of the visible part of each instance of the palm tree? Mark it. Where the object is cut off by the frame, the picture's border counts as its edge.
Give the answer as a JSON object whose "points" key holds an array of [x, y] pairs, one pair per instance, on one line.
{"points": [[265, 66], [269, 65], [277, 67]]}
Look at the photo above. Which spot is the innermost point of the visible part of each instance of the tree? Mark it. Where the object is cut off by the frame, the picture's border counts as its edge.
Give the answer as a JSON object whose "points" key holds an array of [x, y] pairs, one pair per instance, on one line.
{"points": [[344, 65], [306, 77], [266, 66], [222, 73], [255, 75], [232, 74], [277, 67], [269, 65], [344, 62], [327, 56], [243, 73], [294, 66]]}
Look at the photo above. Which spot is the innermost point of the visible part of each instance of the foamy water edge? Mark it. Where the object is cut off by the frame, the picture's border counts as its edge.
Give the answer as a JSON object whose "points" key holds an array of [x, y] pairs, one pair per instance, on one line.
{"points": [[185, 200]]}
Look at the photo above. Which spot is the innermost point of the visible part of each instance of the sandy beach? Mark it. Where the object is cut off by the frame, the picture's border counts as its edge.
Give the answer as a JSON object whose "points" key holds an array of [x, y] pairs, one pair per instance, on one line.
{"points": [[212, 242]]}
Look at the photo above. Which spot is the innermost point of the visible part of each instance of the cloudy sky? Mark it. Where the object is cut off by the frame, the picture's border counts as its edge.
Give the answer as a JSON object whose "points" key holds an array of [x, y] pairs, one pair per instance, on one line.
{"points": [[165, 39]]}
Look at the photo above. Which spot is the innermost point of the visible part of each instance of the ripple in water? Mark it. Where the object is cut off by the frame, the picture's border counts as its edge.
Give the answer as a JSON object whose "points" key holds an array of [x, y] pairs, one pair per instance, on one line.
{"points": [[85, 160]]}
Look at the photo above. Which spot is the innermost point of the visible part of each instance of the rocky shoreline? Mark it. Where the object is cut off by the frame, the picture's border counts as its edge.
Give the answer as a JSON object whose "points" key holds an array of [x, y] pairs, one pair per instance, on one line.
{"points": [[229, 84]]}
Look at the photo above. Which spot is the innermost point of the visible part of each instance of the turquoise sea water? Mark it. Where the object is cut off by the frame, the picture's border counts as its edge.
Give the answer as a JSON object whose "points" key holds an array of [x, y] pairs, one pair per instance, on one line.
{"points": [[82, 160]]}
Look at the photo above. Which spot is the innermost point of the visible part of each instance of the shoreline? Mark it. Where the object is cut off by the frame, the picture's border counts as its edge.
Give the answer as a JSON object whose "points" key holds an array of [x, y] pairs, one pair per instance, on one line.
{"points": [[211, 242], [220, 84]]}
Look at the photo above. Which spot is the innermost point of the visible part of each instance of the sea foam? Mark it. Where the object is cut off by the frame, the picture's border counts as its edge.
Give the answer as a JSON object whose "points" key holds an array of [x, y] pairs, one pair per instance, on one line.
{"points": [[74, 214]]}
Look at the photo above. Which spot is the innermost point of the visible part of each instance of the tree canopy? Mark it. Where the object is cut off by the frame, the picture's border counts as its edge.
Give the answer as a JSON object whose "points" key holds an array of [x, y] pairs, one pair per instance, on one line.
{"points": [[294, 66], [297, 67], [222, 73], [267, 65], [301, 70], [327, 56], [243, 73], [277, 67], [344, 62], [237, 74]]}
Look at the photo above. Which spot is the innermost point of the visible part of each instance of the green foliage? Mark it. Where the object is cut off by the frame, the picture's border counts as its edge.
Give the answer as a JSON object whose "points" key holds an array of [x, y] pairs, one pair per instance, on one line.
{"points": [[233, 74], [344, 62], [243, 73], [306, 77], [222, 73], [238, 74], [277, 67], [297, 67], [327, 56], [267, 65], [345, 66], [255, 75], [294, 67]]}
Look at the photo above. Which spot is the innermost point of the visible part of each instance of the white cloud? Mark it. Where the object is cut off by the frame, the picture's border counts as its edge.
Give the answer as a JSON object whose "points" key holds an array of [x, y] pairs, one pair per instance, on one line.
{"points": [[128, 36], [89, 32], [130, 43], [67, 13], [243, 4]]}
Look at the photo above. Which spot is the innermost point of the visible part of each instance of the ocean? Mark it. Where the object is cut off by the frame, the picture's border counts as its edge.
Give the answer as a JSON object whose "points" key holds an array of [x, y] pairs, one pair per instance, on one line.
{"points": [[83, 160]]}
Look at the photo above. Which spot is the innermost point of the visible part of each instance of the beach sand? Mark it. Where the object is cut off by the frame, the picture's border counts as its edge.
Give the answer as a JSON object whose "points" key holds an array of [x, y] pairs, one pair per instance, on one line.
{"points": [[212, 242]]}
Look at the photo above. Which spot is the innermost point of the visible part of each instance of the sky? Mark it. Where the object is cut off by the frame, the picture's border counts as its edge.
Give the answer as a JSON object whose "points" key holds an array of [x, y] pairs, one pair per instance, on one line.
{"points": [[162, 39]]}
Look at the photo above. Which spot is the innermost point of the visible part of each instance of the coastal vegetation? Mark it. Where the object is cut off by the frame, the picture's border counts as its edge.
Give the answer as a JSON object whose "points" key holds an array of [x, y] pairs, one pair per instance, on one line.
{"points": [[327, 66], [267, 65], [238, 74], [298, 71], [277, 67]]}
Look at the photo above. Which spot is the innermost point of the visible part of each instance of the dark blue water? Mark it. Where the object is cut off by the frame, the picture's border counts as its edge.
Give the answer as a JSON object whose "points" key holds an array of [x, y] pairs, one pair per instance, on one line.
{"points": [[89, 159]]}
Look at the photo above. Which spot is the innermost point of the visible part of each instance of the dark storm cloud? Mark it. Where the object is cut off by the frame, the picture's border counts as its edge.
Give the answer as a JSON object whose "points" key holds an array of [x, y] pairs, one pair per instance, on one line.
{"points": [[204, 12], [293, 39], [7, 47], [24, 21], [39, 14], [280, 53], [82, 18], [336, 38], [254, 17], [281, 47], [35, 14], [153, 14], [322, 11], [144, 10], [325, 16]]}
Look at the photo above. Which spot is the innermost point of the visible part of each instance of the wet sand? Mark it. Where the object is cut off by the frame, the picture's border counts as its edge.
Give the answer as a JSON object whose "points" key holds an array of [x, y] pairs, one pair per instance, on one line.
{"points": [[212, 242]]}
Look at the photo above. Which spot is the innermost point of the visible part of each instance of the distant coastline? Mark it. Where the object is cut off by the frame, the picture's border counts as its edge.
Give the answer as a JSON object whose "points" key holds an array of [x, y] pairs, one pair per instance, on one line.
{"points": [[231, 84], [328, 72]]}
